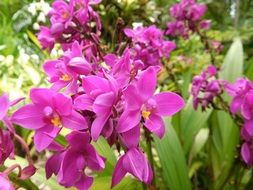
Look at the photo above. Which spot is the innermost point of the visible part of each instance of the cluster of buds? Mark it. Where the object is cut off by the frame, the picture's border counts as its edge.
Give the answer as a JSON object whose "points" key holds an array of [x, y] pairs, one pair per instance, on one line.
{"points": [[242, 93], [97, 95], [187, 18], [148, 45], [205, 87]]}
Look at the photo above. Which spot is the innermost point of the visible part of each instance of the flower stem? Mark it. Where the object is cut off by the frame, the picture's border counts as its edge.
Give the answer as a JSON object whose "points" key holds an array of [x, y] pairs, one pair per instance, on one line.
{"points": [[13, 167], [150, 154], [25, 146]]}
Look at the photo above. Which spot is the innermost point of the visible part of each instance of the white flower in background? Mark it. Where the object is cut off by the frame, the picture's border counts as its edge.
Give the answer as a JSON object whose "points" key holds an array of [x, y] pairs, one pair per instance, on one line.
{"points": [[41, 17], [36, 26], [40, 10], [23, 58], [32, 9]]}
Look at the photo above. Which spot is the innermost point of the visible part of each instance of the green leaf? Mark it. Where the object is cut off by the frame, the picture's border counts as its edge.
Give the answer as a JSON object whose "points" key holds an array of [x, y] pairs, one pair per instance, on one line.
{"points": [[199, 141], [225, 133], [104, 150], [173, 163], [127, 183], [191, 122], [232, 67], [225, 137]]}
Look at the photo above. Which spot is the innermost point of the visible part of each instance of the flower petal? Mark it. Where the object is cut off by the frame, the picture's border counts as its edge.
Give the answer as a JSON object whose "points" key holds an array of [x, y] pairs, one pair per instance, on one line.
{"points": [[44, 137], [29, 116], [41, 96], [132, 97], [128, 120], [146, 83], [131, 138], [119, 172], [97, 126], [84, 182], [4, 105], [53, 164], [83, 102], [71, 165], [136, 164], [103, 103], [168, 103], [92, 83], [74, 121], [94, 161], [78, 139], [79, 65], [155, 124], [62, 104], [245, 153]]}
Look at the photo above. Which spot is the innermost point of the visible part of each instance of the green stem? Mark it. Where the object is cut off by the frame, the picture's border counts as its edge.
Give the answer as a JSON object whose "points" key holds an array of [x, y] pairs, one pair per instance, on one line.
{"points": [[150, 154]]}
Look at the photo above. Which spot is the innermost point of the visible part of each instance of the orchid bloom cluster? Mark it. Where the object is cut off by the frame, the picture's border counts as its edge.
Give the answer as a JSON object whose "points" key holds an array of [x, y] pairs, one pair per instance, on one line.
{"points": [[187, 17], [148, 44], [92, 95], [71, 21], [242, 93], [205, 87], [7, 135]]}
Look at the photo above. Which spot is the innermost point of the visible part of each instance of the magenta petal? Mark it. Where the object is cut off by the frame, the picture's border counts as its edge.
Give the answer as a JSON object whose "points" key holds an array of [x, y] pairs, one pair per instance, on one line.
{"points": [[128, 120], [136, 164], [62, 104], [5, 183], [76, 50], [29, 116], [147, 83], [110, 59], [94, 161], [248, 126], [132, 97], [131, 138], [103, 103], [41, 96], [168, 103], [4, 105], [71, 165], [83, 102], [245, 153], [53, 164], [27, 172], [79, 65], [84, 183], [74, 121], [97, 126], [91, 83], [50, 67], [58, 85], [43, 138], [119, 172], [155, 125], [236, 104], [78, 139]]}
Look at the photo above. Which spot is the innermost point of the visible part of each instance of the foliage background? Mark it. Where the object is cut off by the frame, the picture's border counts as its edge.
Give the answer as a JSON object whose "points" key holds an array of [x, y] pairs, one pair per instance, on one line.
{"points": [[200, 149]]}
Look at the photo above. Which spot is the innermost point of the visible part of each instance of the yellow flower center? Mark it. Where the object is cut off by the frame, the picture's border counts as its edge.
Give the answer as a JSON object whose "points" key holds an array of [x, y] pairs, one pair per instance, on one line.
{"points": [[56, 121], [65, 77], [145, 114], [65, 15]]}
